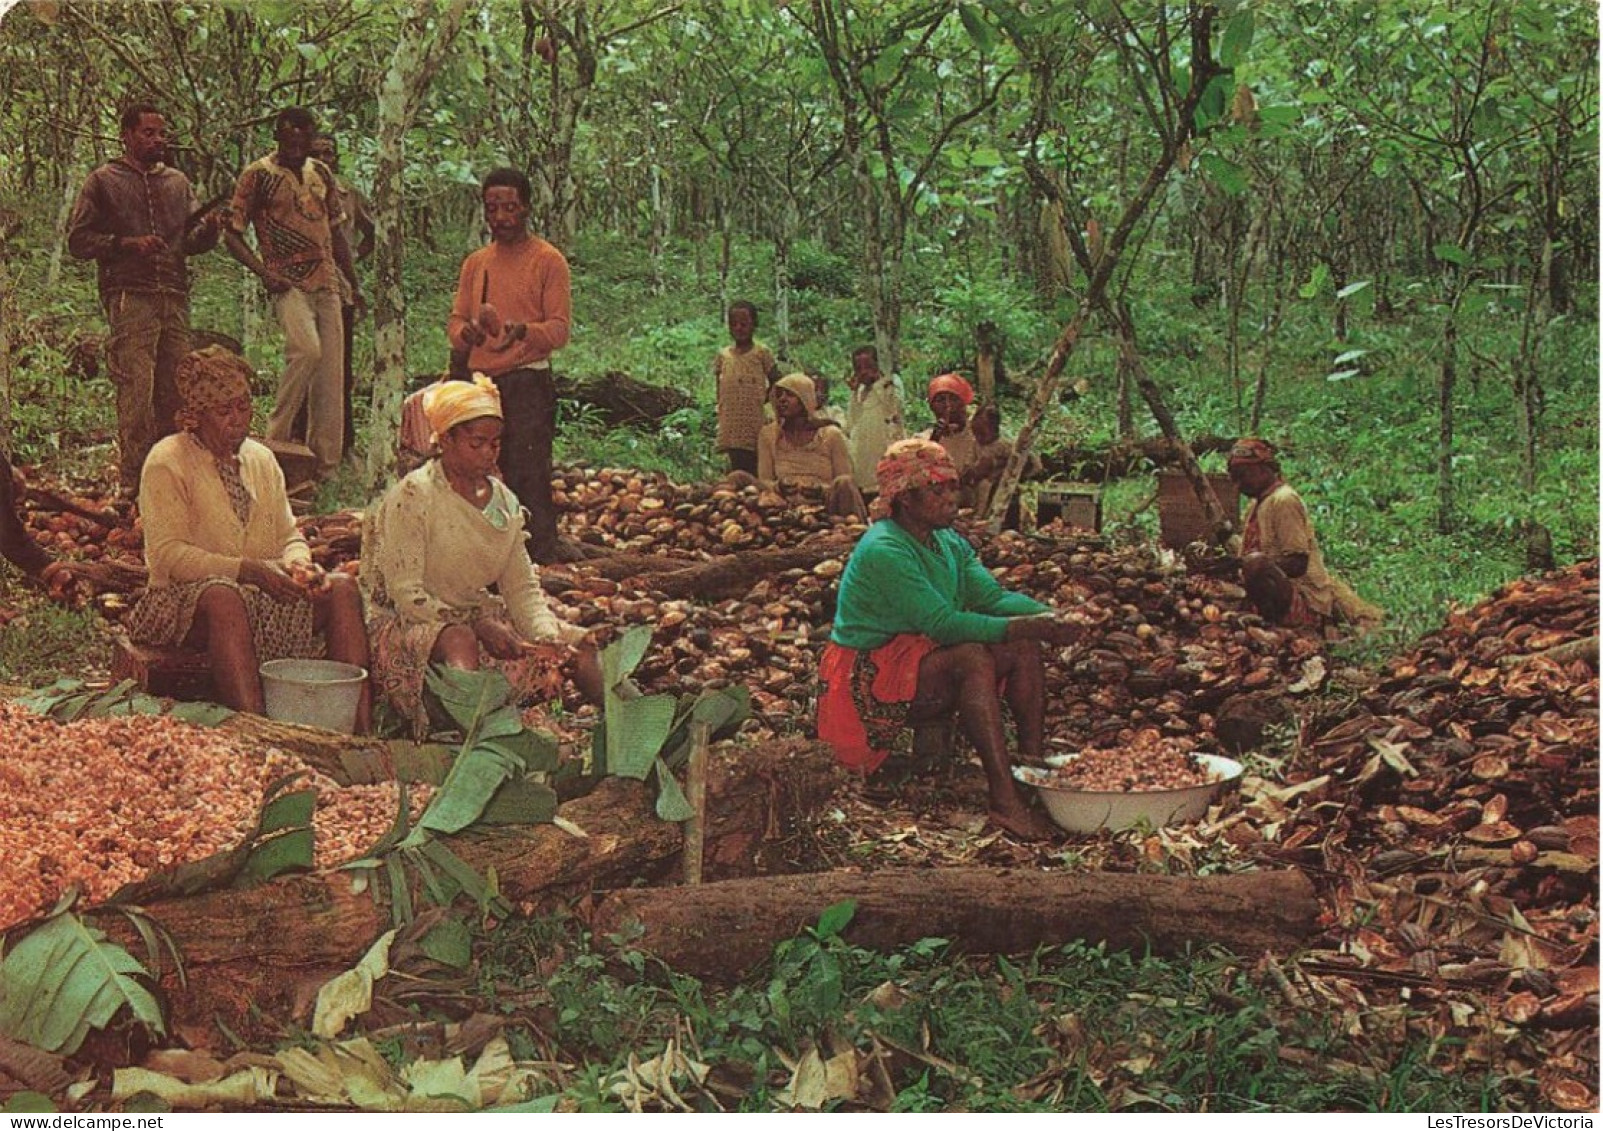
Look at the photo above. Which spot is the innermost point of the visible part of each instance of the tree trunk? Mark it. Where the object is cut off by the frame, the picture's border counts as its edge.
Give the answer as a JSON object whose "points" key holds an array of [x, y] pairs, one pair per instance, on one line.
{"points": [[1125, 458], [723, 931], [69, 197], [8, 315], [266, 949], [1527, 366], [987, 358], [1126, 405], [1444, 430], [733, 575], [426, 37], [1217, 519], [782, 296], [1101, 266], [659, 233]]}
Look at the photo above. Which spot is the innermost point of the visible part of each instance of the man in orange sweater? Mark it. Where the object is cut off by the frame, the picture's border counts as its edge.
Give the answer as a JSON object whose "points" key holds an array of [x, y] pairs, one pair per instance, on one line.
{"points": [[512, 312]]}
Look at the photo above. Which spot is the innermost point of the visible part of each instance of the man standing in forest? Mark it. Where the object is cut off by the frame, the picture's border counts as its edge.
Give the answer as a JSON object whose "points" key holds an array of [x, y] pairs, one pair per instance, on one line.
{"points": [[291, 200], [359, 232], [512, 312], [137, 217]]}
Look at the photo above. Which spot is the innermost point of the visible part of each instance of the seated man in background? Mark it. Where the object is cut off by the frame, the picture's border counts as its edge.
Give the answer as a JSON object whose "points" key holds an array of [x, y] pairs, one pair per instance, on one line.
{"points": [[1282, 568], [801, 449], [922, 629], [827, 411]]}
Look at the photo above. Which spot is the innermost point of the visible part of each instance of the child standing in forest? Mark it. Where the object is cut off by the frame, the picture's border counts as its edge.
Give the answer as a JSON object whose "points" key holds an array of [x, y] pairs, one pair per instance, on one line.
{"points": [[744, 372], [873, 415]]}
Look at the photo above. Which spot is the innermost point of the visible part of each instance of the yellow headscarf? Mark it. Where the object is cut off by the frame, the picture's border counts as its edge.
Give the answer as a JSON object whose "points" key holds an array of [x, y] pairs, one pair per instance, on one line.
{"points": [[802, 387], [449, 403]]}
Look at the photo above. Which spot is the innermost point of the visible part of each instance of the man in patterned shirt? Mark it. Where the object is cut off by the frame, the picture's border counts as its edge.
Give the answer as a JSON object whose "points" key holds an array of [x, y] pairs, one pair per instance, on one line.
{"points": [[292, 202]]}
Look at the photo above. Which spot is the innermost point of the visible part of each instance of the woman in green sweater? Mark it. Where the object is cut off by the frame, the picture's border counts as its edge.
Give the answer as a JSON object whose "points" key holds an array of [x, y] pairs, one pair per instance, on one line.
{"points": [[922, 629]]}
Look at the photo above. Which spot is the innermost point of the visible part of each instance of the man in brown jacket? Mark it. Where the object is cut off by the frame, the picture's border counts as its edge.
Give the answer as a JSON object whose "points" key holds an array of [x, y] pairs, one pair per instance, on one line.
{"points": [[138, 218]]}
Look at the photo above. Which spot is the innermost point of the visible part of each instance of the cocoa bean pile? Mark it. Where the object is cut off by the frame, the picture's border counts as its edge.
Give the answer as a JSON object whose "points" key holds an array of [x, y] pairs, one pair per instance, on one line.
{"points": [[1167, 647], [1148, 762], [644, 512], [1453, 822], [100, 803]]}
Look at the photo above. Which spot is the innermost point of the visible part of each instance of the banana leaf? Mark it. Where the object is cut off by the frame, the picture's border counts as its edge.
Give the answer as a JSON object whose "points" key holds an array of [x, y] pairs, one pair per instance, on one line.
{"points": [[66, 978], [468, 696], [672, 804]]}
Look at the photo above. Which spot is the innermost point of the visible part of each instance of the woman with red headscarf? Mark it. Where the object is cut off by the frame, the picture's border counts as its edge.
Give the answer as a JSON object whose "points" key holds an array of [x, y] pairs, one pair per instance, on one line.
{"points": [[922, 629]]}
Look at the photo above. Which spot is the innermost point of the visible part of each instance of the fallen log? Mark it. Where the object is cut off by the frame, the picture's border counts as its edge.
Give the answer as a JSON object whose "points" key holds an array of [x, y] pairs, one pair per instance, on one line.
{"points": [[1124, 458], [722, 931], [733, 575], [257, 955], [622, 400]]}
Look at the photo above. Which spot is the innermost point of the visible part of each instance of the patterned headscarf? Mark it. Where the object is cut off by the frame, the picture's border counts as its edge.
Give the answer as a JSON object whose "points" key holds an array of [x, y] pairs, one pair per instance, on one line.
{"points": [[207, 379], [952, 383], [910, 464], [1250, 450], [449, 403], [802, 386]]}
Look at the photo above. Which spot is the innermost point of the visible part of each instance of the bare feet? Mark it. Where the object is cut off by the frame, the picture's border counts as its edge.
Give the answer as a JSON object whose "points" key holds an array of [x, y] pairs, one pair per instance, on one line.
{"points": [[1024, 824]]}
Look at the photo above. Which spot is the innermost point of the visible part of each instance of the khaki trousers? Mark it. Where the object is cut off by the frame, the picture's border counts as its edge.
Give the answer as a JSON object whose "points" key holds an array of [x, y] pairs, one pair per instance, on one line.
{"points": [[149, 337], [313, 375]]}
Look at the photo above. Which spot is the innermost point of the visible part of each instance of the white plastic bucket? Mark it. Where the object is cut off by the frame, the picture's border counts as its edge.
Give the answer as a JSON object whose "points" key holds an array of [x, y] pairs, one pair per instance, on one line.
{"points": [[316, 693]]}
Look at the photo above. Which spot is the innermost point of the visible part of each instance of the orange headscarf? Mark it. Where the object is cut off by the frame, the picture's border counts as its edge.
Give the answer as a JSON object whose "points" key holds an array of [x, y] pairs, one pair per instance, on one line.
{"points": [[1251, 450], [952, 383]]}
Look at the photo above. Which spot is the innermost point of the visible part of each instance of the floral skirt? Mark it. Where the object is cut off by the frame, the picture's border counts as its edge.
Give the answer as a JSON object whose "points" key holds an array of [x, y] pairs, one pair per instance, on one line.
{"points": [[280, 630], [864, 698], [401, 650]]}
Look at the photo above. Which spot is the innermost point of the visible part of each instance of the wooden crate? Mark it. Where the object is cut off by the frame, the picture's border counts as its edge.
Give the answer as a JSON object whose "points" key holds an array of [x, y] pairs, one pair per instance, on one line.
{"points": [[298, 462], [1181, 520], [1077, 504], [175, 673]]}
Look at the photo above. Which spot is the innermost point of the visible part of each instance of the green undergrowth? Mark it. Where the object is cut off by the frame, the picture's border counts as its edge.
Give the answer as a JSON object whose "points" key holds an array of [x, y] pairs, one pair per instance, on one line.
{"points": [[47, 641], [1074, 1027]]}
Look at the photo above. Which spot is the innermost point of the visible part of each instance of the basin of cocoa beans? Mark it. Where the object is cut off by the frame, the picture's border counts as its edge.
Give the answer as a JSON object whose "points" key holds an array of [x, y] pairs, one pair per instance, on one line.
{"points": [[1093, 790]]}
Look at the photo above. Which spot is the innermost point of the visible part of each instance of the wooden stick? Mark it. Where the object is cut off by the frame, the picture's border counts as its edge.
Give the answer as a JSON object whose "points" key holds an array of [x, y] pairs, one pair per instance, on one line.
{"points": [[696, 793], [1583, 649]]}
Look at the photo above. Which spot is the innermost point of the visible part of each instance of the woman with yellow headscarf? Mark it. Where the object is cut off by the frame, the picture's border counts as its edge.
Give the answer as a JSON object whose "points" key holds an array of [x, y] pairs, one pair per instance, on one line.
{"points": [[801, 450], [229, 571], [442, 537]]}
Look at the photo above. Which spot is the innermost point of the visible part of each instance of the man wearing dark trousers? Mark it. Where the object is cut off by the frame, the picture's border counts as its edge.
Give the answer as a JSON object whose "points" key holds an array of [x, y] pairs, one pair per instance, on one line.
{"points": [[512, 312]]}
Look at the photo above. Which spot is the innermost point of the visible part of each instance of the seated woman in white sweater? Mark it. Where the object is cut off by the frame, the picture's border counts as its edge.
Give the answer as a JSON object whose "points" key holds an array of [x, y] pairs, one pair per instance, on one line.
{"points": [[229, 572], [440, 539]]}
